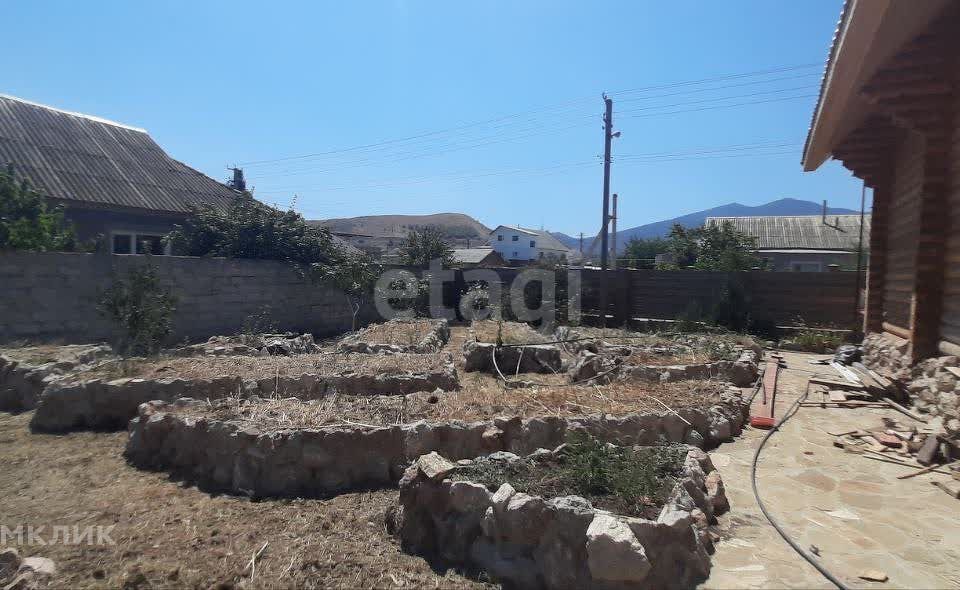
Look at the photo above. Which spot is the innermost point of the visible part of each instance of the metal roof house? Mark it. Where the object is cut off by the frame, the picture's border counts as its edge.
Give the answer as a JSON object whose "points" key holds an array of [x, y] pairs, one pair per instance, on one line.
{"points": [[477, 257], [520, 245], [803, 243], [113, 180], [888, 111]]}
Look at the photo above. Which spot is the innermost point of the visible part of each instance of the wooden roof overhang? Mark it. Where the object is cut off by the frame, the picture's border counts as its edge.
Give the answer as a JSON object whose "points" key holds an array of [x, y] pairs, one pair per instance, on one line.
{"points": [[914, 91], [871, 34]]}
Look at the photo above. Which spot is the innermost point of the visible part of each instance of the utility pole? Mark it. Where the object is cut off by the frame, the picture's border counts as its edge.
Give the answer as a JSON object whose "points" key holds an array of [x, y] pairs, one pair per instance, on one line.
{"points": [[605, 219], [856, 296], [608, 136], [613, 234], [581, 242]]}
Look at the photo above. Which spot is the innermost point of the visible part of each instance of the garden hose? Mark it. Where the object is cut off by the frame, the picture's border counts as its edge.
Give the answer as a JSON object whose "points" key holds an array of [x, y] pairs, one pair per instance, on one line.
{"points": [[756, 494]]}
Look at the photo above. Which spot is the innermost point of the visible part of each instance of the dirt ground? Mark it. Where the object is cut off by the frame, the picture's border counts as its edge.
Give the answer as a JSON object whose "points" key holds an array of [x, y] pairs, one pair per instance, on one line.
{"points": [[170, 535], [177, 536]]}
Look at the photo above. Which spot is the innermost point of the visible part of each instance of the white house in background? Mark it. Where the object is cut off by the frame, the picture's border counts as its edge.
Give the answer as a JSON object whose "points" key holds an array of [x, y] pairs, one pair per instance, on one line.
{"points": [[520, 244]]}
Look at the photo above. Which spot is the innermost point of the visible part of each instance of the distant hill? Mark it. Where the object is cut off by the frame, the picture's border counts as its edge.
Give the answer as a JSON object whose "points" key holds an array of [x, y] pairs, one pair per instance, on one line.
{"points": [[659, 229], [456, 225]]}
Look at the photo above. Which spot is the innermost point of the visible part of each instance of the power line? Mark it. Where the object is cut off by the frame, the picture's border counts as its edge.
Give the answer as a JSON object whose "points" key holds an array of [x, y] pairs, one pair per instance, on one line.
{"points": [[724, 87], [716, 99], [718, 107], [515, 115]]}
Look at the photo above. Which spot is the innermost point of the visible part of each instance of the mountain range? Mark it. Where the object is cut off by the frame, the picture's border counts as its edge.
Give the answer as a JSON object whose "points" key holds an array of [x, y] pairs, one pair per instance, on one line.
{"points": [[660, 229]]}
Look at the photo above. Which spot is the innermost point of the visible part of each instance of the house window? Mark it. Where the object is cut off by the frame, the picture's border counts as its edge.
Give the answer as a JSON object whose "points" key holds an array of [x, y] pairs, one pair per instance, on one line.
{"points": [[124, 242], [533, 243], [514, 254], [499, 237], [515, 238]]}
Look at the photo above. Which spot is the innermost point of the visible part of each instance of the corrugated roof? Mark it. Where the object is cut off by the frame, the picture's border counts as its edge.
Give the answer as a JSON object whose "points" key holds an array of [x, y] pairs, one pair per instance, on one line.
{"points": [[831, 56], [800, 231], [471, 255], [82, 158], [544, 239]]}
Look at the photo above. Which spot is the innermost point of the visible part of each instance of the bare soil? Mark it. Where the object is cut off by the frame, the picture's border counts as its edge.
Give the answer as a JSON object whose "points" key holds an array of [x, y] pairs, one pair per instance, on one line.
{"points": [[172, 536]]}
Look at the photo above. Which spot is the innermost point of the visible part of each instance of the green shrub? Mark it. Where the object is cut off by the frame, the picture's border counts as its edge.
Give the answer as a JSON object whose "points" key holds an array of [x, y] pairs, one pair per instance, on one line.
{"points": [[811, 340], [27, 223], [141, 308]]}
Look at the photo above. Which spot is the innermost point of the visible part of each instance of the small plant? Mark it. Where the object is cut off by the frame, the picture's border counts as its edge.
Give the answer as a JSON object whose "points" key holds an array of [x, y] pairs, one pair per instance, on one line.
{"points": [[141, 308], [821, 341], [258, 323]]}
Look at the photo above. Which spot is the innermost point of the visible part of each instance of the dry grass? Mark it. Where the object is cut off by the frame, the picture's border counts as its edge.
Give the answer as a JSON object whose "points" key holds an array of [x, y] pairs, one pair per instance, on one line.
{"points": [[180, 537], [254, 367], [509, 332], [399, 332], [481, 398]]}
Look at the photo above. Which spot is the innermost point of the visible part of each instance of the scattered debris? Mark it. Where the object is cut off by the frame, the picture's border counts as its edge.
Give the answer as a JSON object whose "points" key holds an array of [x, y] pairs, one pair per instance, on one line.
{"points": [[951, 489], [874, 576]]}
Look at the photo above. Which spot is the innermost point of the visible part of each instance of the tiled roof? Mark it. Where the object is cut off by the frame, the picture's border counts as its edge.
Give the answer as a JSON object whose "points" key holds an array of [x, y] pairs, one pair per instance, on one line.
{"points": [[801, 231], [82, 158]]}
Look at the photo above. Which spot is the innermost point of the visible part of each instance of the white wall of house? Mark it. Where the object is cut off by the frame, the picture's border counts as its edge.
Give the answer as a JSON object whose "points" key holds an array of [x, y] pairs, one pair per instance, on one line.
{"points": [[516, 244]]}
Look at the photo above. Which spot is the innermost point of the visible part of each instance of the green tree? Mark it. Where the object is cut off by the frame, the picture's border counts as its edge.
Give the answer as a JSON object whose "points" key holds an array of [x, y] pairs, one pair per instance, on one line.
{"points": [[721, 248], [640, 252], [355, 276], [251, 229], [27, 223], [423, 245], [141, 308]]}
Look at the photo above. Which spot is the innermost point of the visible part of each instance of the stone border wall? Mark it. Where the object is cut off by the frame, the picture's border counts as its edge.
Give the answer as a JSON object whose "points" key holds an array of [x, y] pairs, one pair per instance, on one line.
{"points": [[22, 383], [526, 541], [534, 358], [743, 372], [434, 341], [933, 388], [233, 456], [100, 404]]}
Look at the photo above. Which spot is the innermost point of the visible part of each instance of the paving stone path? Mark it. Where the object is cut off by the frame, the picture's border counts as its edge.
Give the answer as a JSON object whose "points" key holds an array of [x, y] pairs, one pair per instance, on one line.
{"points": [[853, 509]]}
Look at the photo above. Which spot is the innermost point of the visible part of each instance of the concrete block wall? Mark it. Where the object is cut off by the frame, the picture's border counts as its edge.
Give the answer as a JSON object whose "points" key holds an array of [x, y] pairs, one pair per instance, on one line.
{"points": [[52, 296]]}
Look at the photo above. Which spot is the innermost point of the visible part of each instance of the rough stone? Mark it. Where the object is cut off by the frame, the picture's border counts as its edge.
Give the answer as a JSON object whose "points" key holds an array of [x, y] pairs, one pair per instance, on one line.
{"points": [[535, 358], [613, 552], [434, 466]]}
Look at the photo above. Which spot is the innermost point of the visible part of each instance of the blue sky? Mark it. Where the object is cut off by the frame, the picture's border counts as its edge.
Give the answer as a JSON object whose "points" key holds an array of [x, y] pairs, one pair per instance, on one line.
{"points": [[487, 108]]}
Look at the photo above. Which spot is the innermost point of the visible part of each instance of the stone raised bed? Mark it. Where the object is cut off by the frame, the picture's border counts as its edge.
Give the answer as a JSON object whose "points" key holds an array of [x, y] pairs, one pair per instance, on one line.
{"points": [[536, 358], [26, 372], [370, 340], [527, 541], [235, 456], [250, 345], [99, 404], [742, 372]]}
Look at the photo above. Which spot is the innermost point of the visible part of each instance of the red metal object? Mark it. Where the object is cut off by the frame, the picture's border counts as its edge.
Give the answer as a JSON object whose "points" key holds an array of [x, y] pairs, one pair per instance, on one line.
{"points": [[762, 416]]}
